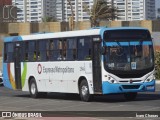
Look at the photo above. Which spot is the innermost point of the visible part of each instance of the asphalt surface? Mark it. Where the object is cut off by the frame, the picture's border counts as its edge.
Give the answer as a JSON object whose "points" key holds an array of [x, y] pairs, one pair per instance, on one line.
{"points": [[108, 107]]}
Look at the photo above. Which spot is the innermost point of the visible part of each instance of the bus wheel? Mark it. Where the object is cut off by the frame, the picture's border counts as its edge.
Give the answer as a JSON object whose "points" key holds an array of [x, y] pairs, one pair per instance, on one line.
{"points": [[33, 89], [84, 91], [130, 96]]}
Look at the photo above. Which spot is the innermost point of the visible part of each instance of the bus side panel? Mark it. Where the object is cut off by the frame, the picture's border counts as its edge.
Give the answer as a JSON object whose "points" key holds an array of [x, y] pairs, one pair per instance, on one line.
{"points": [[8, 75], [58, 76], [30, 69], [81, 68]]}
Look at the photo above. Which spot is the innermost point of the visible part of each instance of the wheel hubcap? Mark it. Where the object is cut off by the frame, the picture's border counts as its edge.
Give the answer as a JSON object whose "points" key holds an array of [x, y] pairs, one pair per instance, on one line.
{"points": [[33, 88], [84, 90]]}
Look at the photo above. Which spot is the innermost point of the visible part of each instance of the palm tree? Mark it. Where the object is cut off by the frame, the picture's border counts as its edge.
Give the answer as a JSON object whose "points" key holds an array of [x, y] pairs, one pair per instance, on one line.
{"points": [[100, 11], [71, 19]]}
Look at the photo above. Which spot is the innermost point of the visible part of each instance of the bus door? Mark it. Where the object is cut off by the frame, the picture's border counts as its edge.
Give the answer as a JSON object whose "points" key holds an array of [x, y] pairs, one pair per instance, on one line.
{"points": [[17, 66], [97, 81]]}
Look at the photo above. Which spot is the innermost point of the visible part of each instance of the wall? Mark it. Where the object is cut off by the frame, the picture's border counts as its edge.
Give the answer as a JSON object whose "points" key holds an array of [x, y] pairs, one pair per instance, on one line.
{"points": [[28, 28]]}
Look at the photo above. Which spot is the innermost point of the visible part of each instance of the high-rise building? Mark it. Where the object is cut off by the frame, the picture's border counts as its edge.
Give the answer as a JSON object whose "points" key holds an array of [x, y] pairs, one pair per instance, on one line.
{"points": [[64, 11], [78, 10], [49, 8], [129, 10], [158, 9], [28, 10], [59, 10], [34, 10]]}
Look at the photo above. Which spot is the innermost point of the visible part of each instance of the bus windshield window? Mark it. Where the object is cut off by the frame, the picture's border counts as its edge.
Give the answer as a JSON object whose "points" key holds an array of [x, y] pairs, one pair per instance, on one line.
{"points": [[130, 52], [132, 57]]}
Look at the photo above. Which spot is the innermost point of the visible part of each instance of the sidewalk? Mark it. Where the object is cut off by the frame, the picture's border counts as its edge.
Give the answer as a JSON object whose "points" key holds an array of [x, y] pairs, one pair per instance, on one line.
{"points": [[157, 81]]}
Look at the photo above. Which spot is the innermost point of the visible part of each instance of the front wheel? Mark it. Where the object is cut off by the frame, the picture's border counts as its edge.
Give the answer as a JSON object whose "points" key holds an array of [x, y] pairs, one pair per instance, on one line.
{"points": [[84, 91], [130, 96]]}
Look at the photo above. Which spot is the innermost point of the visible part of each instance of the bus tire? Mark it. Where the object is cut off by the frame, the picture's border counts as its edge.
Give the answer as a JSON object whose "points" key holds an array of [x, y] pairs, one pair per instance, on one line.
{"points": [[84, 91], [130, 96], [33, 89]]}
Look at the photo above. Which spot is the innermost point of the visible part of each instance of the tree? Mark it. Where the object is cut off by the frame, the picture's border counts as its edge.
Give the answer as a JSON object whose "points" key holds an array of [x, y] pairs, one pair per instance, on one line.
{"points": [[100, 10]]}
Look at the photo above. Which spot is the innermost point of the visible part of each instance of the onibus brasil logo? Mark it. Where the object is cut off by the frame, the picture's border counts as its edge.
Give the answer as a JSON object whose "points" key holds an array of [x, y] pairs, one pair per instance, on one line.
{"points": [[9, 12]]}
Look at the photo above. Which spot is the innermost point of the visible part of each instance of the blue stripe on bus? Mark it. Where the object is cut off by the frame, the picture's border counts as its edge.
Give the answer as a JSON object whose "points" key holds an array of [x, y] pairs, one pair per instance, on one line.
{"points": [[127, 43], [117, 43], [108, 88], [6, 80], [143, 43], [14, 38]]}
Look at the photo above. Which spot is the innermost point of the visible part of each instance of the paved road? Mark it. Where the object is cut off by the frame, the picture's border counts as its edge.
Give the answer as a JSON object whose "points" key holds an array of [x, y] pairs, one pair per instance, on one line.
{"points": [[21, 101]]}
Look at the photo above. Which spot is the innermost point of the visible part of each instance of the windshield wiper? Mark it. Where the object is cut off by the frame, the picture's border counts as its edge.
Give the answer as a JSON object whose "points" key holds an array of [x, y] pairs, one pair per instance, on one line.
{"points": [[118, 43]]}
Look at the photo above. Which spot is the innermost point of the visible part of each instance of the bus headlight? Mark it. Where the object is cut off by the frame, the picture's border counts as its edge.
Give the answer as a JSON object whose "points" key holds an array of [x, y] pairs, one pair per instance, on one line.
{"points": [[112, 80], [150, 78]]}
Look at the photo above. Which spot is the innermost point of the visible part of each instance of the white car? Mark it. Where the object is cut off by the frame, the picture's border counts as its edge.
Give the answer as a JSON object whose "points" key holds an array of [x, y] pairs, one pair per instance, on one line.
{"points": [[1, 77]]}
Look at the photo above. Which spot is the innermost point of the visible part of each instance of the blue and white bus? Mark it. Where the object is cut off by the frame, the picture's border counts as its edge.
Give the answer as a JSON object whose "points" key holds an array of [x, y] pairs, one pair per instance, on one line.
{"points": [[87, 62]]}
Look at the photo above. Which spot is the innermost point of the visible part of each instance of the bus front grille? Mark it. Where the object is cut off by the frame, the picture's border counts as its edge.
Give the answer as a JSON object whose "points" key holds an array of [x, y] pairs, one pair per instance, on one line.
{"points": [[128, 81], [130, 86]]}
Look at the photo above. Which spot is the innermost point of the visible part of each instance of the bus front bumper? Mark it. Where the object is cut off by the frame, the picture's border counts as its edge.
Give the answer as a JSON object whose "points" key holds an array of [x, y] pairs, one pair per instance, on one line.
{"points": [[109, 88]]}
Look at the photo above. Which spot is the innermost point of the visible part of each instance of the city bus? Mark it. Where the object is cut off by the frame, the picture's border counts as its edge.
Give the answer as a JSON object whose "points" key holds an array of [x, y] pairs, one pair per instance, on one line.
{"points": [[96, 61]]}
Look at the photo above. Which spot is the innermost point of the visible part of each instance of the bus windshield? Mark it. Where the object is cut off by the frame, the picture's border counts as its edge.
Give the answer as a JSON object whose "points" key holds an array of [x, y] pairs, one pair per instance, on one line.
{"points": [[128, 55]]}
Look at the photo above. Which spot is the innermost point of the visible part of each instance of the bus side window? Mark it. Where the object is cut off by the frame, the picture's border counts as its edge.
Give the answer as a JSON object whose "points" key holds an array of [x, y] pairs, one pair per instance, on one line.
{"points": [[52, 50], [41, 53], [8, 55], [26, 51], [84, 48], [71, 53], [59, 50], [32, 53], [64, 51]]}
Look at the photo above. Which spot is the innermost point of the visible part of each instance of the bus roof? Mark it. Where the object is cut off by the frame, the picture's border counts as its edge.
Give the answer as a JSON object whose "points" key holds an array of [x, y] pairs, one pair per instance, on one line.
{"points": [[93, 31]]}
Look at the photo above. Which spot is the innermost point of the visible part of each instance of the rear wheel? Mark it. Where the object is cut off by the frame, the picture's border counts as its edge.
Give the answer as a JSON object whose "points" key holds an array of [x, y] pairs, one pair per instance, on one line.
{"points": [[84, 91], [130, 96]]}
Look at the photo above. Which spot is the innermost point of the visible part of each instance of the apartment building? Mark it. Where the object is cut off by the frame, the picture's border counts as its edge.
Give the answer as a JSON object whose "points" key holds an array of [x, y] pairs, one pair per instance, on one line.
{"points": [[59, 10], [64, 11], [49, 8], [129, 10], [158, 9], [34, 10]]}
